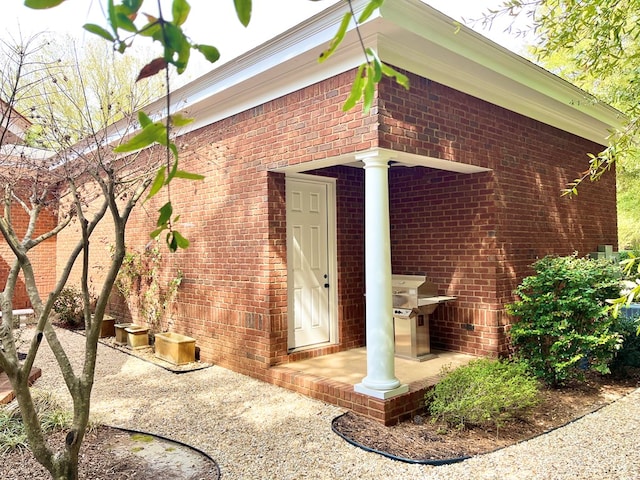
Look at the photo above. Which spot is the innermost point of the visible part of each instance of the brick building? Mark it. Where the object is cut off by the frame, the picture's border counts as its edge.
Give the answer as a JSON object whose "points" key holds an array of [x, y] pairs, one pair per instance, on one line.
{"points": [[469, 163]]}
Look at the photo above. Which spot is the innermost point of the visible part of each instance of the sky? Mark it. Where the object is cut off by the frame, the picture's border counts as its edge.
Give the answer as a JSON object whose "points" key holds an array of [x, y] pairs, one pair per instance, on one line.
{"points": [[214, 22]]}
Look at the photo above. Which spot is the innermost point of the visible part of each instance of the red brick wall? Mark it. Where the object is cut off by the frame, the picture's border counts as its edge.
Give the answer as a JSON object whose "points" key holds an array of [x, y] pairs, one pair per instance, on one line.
{"points": [[482, 231], [474, 235], [233, 296], [41, 256]]}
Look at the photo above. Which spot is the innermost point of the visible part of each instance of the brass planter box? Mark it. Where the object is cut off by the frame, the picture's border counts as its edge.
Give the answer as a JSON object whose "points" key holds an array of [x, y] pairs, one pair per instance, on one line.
{"points": [[137, 336], [175, 348]]}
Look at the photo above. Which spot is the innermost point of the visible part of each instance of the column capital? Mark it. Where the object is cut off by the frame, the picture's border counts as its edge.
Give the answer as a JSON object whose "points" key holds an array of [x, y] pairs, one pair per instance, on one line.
{"points": [[374, 157]]}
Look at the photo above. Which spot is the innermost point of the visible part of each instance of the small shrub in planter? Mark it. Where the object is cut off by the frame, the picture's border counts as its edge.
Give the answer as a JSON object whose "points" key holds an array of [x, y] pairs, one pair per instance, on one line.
{"points": [[563, 325], [483, 392], [69, 307]]}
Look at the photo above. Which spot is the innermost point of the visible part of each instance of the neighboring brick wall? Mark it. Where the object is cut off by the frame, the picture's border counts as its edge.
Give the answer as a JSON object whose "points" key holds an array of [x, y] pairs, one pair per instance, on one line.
{"points": [[42, 256]]}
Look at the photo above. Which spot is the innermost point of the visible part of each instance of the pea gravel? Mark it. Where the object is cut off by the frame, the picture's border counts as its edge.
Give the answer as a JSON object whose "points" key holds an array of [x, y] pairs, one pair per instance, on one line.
{"points": [[255, 430]]}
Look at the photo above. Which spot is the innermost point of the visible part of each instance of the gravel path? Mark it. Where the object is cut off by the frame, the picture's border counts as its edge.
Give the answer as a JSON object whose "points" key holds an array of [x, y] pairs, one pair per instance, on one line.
{"points": [[255, 430]]}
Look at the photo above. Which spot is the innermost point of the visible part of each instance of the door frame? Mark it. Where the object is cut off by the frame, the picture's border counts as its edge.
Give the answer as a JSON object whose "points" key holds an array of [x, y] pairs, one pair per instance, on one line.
{"points": [[332, 258]]}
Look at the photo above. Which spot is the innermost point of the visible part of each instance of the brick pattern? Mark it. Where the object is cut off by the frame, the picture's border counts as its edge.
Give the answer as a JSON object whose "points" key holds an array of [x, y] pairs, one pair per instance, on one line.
{"points": [[473, 235], [388, 412], [40, 256], [476, 235]]}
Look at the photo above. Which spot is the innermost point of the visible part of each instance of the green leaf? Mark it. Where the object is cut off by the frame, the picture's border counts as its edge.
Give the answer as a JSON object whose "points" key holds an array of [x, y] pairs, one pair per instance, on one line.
{"points": [[111, 10], [243, 10], [165, 214], [124, 21], [40, 4], [371, 7], [171, 242], [157, 232], [400, 78], [178, 120], [174, 149], [180, 10], [158, 182], [175, 42], [98, 30], [151, 29], [188, 175], [173, 171], [369, 90], [144, 119], [181, 242], [377, 65], [132, 6], [210, 53], [356, 89], [155, 132], [337, 39]]}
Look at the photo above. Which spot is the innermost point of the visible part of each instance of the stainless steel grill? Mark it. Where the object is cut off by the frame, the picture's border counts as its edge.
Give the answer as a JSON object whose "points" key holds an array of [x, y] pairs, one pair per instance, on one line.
{"points": [[414, 299]]}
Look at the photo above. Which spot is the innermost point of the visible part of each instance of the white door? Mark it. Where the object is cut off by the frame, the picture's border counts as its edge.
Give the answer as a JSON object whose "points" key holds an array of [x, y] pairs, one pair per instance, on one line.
{"points": [[309, 285]]}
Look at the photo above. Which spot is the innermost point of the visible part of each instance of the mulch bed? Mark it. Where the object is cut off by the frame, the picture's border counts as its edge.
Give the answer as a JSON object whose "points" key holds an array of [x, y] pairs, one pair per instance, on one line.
{"points": [[112, 454], [420, 440]]}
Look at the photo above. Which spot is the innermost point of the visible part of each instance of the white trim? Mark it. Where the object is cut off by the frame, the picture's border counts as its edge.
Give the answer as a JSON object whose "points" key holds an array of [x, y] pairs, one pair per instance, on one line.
{"points": [[332, 254], [400, 159], [408, 34]]}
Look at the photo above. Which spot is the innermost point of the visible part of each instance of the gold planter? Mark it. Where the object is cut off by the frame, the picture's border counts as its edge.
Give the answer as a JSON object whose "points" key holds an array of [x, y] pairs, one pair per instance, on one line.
{"points": [[175, 348], [122, 337], [137, 336]]}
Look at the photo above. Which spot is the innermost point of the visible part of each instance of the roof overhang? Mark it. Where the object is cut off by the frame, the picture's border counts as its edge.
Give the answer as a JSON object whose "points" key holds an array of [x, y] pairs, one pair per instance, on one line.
{"points": [[407, 34], [396, 159]]}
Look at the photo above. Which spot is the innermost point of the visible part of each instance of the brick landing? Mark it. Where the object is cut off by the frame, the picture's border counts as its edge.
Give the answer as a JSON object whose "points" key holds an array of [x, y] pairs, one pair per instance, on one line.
{"points": [[6, 392], [331, 378], [388, 412]]}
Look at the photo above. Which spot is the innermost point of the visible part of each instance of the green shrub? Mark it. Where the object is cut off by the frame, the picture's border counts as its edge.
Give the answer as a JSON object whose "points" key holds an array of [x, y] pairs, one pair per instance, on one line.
{"points": [[562, 323], [629, 353], [69, 307], [483, 392]]}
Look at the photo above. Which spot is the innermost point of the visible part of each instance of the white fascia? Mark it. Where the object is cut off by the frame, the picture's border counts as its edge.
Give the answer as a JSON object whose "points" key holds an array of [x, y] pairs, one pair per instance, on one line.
{"points": [[287, 63], [409, 35]]}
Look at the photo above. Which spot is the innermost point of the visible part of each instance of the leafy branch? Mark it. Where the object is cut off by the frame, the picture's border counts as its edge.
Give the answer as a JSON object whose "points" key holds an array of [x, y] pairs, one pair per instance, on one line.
{"points": [[369, 73]]}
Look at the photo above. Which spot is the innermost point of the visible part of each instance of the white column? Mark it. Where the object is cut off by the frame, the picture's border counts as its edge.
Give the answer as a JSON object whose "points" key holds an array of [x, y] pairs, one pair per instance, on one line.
{"points": [[380, 381]]}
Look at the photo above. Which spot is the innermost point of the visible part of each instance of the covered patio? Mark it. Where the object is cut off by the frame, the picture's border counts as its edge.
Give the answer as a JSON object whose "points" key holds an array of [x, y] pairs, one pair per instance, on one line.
{"points": [[331, 378]]}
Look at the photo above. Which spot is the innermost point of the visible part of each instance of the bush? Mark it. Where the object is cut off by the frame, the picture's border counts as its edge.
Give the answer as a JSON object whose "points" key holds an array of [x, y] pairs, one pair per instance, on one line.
{"points": [[629, 353], [69, 307], [563, 326], [484, 392]]}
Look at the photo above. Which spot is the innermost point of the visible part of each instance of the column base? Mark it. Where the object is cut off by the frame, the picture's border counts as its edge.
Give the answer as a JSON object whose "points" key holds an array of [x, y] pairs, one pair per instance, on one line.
{"points": [[381, 394]]}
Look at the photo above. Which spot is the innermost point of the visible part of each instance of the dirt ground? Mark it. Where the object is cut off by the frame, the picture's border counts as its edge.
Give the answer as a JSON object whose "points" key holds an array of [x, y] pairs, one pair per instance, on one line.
{"points": [[422, 440]]}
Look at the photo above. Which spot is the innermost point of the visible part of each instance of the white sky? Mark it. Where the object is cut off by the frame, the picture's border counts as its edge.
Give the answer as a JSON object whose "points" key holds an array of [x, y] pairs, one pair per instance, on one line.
{"points": [[214, 22]]}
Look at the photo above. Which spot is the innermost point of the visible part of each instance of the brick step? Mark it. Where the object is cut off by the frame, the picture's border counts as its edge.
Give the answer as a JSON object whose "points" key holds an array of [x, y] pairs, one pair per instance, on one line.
{"points": [[6, 392]]}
